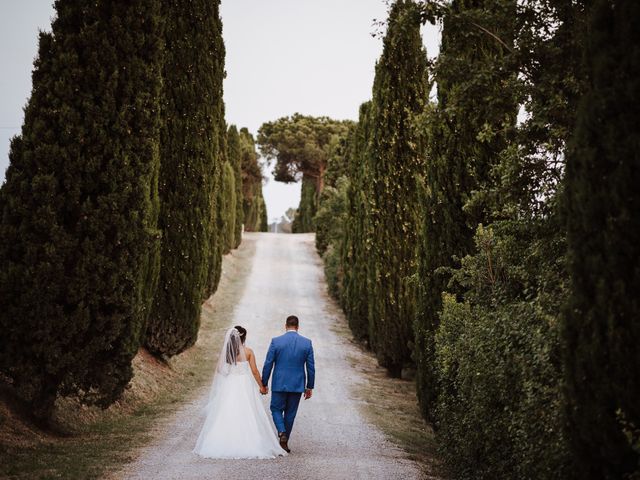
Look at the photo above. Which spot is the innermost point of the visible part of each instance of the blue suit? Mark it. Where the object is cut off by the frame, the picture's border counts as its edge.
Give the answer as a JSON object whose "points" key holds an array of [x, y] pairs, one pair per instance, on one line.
{"points": [[289, 355]]}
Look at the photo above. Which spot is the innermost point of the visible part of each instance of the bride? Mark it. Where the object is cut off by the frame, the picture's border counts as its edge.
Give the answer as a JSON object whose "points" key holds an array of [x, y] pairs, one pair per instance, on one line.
{"points": [[237, 425]]}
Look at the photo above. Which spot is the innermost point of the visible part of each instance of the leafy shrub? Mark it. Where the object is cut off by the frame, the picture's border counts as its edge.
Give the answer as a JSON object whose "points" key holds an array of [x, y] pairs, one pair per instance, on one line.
{"points": [[500, 411]]}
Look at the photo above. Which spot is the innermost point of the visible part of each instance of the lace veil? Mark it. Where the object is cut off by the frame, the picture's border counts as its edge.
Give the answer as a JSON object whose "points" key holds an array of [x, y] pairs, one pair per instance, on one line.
{"points": [[231, 353]]}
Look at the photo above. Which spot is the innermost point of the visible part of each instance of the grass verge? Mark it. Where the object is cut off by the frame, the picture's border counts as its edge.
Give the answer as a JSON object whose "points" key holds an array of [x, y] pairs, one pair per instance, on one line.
{"points": [[390, 403]]}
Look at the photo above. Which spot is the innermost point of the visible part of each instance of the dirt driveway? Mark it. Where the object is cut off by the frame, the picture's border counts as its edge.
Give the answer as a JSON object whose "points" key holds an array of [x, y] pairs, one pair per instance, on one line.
{"points": [[331, 438]]}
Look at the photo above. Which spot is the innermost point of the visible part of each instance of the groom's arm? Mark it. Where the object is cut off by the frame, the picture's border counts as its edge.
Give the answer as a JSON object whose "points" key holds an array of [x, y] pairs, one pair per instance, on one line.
{"points": [[268, 364], [311, 368]]}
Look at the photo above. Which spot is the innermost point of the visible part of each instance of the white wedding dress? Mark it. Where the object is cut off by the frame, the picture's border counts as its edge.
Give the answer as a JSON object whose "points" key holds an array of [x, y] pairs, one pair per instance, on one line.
{"points": [[237, 425]]}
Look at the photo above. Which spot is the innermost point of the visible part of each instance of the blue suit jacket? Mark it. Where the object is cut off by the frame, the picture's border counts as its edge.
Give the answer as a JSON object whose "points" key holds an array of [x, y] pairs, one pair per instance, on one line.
{"points": [[290, 353]]}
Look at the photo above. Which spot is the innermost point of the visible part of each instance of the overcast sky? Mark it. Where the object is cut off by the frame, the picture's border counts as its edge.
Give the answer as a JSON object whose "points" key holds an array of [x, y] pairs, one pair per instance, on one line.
{"points": [[316, 57]]}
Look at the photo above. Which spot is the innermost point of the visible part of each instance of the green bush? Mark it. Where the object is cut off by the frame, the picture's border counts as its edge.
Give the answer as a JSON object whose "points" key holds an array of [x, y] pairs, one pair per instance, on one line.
{"points": [[333, 270], [264, 222], [331, 214], [500, 410], [217, 242]]}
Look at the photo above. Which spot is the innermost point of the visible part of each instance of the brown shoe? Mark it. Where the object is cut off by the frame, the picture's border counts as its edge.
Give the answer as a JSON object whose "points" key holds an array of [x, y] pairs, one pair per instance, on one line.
{"points": [[283, 442]]}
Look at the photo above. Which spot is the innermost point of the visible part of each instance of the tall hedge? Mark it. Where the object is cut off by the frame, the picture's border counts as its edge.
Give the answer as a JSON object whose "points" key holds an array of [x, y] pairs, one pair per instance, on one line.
{"points": [[514, 224], [399, 93], [332, 215], [602, 322], [78, 233], [191, 157]]}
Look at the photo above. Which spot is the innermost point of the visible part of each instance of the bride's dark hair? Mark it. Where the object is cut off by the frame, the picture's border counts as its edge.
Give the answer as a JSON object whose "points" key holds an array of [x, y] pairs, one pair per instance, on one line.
{"points": [[243, 333]]}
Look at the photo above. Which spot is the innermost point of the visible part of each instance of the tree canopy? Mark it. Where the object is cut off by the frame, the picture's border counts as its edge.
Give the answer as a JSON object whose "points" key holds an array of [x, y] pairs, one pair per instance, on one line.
{"points": [[300, 145]]}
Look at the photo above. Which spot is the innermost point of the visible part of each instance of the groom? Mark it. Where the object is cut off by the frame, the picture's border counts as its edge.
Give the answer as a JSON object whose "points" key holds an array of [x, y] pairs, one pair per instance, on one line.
{"points": [[290, 353]]}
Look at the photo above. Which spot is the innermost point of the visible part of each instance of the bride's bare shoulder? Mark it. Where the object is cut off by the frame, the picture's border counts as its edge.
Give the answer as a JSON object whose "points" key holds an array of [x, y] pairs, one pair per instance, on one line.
{"points": [[249, 352]]}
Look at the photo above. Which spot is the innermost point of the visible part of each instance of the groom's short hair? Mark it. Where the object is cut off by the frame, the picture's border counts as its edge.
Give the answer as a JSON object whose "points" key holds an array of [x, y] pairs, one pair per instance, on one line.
{"points": [[292, 321]]}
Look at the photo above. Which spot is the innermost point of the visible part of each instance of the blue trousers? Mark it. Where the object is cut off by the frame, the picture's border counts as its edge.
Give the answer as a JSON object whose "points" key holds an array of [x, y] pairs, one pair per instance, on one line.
{"points": [[284, 406]]}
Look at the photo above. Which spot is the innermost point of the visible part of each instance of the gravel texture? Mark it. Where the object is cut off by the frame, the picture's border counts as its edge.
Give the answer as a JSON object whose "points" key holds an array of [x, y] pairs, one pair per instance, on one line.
{"points": [[331, 439]]}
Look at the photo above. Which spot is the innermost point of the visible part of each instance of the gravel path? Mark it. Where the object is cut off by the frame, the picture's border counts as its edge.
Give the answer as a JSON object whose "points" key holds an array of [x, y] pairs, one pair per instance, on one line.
{"points": [[331, 439]]}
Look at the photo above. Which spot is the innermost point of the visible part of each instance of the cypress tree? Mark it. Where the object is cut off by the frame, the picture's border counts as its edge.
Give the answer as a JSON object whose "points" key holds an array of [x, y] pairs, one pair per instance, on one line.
{"points": [[329, 219], [252, 200], [304, 221], [235, 157], [227, 208], [264, 223], [472, 99], [256, 211], [191, 157], [216, 233], [399, 93], [601, 325], [354, 295], [78, 236]]}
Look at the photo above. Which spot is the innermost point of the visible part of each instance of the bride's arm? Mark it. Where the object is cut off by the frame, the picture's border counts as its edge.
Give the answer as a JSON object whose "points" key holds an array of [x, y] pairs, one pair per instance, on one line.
{"points": [[254, 368]]}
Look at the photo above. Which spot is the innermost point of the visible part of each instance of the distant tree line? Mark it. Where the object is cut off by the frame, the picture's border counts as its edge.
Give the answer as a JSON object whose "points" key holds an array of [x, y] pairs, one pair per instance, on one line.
{"points": [[489, 235], [124, 189]]}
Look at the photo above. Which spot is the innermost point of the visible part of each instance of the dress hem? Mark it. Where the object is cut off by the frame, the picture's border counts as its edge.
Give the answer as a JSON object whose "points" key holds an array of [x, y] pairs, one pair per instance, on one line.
{"points": [[260, 457]]}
